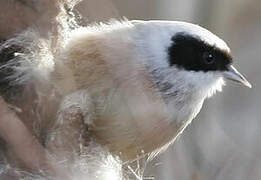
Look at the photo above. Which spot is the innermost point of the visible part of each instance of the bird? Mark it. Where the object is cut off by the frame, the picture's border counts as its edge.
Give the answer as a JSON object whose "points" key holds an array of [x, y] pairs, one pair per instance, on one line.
{"points": [[131, 86]]}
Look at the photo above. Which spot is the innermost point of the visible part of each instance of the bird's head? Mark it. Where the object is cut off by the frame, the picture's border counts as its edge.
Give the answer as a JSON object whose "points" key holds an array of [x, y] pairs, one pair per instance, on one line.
{"points": [[186, 55]]}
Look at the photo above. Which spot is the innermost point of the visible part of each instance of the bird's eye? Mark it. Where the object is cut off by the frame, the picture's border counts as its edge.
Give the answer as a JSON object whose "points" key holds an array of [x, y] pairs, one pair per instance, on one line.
{"points": [[208, 58]]}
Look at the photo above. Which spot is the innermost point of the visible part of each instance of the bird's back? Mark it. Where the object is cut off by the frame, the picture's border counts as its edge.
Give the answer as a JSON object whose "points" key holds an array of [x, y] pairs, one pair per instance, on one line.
{"points": [[130, 118]]}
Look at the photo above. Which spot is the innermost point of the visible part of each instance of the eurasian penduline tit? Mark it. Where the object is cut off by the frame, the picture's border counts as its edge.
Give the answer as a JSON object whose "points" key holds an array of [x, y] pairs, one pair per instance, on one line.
{"points": [[136, 85]]}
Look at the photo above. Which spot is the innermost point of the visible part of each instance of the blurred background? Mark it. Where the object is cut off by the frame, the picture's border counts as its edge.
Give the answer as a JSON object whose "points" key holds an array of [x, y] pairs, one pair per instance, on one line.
{"points": [[223, 142]]}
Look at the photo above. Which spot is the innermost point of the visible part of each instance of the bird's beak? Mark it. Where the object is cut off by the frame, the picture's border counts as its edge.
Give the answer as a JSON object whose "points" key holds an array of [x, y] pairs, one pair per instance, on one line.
{"points": [[234, 75]]}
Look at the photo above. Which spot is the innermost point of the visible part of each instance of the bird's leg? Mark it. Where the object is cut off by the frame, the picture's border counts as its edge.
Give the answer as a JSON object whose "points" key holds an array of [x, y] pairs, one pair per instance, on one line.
{"points": [[70, 136]]}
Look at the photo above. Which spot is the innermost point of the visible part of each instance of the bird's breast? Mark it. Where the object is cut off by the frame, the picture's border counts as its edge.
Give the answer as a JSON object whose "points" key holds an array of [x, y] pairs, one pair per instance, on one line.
{"points": [[132, 123]]}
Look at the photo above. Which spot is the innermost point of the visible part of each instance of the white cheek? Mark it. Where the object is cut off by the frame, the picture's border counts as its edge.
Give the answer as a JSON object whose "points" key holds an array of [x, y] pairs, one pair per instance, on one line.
{"points": [[217, 86], [206, 83], [202, 85], [211, 84]]}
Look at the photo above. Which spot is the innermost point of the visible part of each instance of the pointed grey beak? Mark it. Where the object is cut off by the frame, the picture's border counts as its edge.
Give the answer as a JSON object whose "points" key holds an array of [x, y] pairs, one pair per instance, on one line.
{"points": [[234, 75]]}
